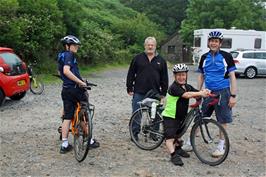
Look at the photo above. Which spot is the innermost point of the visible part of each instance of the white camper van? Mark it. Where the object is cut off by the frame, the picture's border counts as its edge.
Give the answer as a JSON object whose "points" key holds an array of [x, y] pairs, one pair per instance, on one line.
{"points": [[233, 39]]}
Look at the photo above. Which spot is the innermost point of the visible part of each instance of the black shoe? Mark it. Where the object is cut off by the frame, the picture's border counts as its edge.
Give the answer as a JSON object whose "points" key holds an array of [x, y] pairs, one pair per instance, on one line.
{"points": [[176, 160], [95, 144], [64, 150], [181, 152]]}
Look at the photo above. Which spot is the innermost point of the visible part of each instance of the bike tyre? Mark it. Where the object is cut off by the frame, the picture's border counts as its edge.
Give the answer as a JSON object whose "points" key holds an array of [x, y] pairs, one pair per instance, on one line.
{"points": [[81, 154], [154, 144], [36, 88], [199, 149]]}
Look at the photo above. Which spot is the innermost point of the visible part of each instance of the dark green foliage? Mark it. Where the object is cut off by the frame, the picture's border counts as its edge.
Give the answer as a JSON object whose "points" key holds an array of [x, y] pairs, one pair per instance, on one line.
{"points": [[242, 14], [109, 31]]}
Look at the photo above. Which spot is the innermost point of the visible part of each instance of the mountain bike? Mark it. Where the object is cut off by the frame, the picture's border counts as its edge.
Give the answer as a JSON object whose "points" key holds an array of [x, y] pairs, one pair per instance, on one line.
{"points": [[81, 127], [36, 85], [204, 135]]}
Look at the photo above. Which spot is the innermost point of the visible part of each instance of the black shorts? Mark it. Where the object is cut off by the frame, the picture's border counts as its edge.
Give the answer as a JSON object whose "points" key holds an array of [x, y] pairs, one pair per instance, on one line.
{"points": [[171, 127], [70, 97]]}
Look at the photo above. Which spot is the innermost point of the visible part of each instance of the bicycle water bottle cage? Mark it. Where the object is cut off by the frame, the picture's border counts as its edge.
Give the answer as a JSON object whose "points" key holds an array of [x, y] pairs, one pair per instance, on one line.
{"points": [[147, 102]]}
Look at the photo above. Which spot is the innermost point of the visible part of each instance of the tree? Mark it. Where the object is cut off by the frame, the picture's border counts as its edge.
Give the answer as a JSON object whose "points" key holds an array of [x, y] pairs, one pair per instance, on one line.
{"points": [[242, 14]]}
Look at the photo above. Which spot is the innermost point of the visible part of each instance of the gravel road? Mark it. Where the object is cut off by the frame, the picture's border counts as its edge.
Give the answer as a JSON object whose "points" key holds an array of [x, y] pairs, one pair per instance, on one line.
{"points": [[30, 142]]}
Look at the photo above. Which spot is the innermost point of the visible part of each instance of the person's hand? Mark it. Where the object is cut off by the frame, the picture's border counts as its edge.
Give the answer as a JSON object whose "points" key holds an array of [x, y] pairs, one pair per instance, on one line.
{"points": [[162, 101], [232, 102], [82, 84], [131, 93], [205, 92]]}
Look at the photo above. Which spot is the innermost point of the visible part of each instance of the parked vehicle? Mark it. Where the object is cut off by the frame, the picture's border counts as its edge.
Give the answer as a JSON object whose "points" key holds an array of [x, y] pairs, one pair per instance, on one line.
{"points": [[234, 39], [14, 79], [250, 62]]}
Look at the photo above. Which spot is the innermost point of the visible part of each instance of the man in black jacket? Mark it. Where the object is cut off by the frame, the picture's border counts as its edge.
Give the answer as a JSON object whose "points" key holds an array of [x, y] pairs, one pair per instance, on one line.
{"points": [[147, 71]]}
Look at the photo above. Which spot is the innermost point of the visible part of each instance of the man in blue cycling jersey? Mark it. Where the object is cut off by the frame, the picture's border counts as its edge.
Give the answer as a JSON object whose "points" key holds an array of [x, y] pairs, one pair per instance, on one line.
{"points": [[72, 91], [217, 72]]}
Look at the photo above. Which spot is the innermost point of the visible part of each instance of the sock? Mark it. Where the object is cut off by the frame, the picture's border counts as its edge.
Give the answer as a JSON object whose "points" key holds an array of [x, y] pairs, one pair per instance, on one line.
{"points": [[221, 145], [65, 142], [92, 141]]}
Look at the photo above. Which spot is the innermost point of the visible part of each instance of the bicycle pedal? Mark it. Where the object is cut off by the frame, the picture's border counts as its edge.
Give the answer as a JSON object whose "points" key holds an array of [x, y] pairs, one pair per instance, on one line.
{"points": [[59, 129]]}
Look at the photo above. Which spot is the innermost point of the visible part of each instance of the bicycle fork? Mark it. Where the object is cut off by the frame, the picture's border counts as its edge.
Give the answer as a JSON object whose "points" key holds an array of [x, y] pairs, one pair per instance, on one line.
{"points": [[204, 130]]}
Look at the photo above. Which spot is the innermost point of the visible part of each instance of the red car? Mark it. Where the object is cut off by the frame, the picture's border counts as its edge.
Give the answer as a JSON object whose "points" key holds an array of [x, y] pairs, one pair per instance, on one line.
{"points": [[14, 79]]}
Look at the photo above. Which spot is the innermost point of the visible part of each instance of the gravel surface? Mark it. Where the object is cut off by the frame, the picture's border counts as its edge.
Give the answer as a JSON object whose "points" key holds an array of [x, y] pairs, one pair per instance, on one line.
{"points": [[30, 142]]}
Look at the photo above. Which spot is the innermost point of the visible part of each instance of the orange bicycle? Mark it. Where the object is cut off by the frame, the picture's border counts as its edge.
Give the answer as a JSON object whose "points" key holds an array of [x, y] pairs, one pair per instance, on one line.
{"points": [[81, 127]]}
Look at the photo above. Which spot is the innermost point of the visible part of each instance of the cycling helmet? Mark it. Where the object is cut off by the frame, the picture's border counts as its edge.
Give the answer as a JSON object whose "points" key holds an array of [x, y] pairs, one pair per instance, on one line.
{"points": [[215, 35], [70, 39], [180, 68]]}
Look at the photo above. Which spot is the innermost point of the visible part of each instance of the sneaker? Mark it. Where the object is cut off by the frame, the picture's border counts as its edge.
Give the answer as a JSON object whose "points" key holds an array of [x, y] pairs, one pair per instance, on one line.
{"points": [[95, 144], [181, 152], [176, 160], [218, 153], [187, 147], [64, 150]]}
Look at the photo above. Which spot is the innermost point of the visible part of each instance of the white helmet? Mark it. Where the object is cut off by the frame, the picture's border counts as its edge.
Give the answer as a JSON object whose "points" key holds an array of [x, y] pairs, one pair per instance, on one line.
{"points": [[180, 68]]}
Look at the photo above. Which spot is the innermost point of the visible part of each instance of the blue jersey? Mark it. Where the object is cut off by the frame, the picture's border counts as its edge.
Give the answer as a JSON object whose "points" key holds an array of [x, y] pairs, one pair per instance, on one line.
{"points": [[68, 58], [215, 69]]}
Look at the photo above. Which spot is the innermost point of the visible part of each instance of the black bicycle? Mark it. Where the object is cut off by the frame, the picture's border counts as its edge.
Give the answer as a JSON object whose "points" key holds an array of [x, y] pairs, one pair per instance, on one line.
{"points": [[204, 136], [36, 85]]}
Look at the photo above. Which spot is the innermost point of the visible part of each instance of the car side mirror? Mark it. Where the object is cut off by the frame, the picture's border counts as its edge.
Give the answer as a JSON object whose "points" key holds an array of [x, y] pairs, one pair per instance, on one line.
{"points": [[1, 69]]}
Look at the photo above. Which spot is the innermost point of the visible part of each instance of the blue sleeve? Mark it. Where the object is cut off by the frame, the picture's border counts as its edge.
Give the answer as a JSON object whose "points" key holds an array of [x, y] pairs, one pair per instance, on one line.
{"points": [[68, 59]]}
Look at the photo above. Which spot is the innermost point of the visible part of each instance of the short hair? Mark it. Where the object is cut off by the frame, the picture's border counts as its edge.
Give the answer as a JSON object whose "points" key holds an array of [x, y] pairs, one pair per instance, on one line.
{"points": [[150, 38]]}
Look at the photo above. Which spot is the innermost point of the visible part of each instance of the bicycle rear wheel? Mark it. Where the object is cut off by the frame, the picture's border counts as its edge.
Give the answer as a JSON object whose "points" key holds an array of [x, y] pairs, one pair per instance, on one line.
{"points": [[205, 136], [36, 86], [145, 132], [82, 136]]}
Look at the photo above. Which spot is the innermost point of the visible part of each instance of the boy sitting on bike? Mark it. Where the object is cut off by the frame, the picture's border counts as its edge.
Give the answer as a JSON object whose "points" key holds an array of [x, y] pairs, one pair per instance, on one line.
{"points": [[72, 91], [176, 108]]}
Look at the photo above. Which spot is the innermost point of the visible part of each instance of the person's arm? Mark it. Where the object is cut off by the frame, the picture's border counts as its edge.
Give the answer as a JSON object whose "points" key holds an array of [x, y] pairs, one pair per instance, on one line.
{"points": [[200, 81], [131, 78], [232, 100], [202, 93], [164, 79], [71, 76]]}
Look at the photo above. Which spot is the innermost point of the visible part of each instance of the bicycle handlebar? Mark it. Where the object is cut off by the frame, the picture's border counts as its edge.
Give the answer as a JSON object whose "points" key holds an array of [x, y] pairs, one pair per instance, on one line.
{"points": [[215, 100]]}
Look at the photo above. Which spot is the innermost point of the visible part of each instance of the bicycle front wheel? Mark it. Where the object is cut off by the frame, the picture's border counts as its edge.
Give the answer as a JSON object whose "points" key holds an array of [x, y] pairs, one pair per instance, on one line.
{"points": [[145, 132], [36, 86], [82, 135], [205, 136]]}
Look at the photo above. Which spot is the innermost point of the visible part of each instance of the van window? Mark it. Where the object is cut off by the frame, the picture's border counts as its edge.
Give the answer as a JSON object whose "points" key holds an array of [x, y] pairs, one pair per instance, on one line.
{"points": [[257, 44], [227, 43], [197, 41], [234, 54]]}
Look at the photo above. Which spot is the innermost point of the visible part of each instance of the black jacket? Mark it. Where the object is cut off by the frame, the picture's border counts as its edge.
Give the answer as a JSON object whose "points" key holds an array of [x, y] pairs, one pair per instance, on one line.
{"points": [[144, 75]]}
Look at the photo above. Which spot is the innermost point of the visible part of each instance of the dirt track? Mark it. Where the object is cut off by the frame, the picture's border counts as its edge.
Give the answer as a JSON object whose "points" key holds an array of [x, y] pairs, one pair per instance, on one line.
{"points": [[30, 143]]}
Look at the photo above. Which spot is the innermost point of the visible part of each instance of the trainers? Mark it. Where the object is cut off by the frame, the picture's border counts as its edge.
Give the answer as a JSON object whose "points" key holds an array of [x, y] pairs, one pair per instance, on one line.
{"points": [[64, 150], [95, 144], [187, 147], [176, 160], [218, 153], [181, 152]]}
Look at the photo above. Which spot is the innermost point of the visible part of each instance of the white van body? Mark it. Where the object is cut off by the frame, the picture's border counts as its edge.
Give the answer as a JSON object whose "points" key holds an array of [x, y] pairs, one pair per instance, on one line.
{"points": [[233, 39]]}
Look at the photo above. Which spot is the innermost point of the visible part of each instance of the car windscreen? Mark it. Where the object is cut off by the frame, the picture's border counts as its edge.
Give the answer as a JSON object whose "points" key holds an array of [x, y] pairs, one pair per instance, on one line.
{"points": [[14, 63]]}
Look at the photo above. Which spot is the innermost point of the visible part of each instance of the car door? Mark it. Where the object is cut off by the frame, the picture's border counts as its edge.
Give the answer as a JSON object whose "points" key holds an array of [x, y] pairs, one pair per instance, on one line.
{"points": [[260, 58]]}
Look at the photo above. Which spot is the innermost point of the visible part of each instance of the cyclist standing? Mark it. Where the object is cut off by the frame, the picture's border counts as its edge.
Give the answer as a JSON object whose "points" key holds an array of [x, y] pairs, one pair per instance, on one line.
{"points": [[72, 91], [176, 108], [148, 70], [216, 69]]}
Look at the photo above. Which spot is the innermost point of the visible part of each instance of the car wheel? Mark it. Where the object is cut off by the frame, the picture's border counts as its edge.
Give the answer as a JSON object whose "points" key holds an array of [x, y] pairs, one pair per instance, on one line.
{"points": [[18, 96], [251, 72], [2, 97]]}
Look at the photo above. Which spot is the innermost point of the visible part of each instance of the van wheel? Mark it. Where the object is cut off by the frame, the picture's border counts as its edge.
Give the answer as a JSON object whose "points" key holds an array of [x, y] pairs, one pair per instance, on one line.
{"points": [[2, 97], [251, 72], [18, 96]]}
